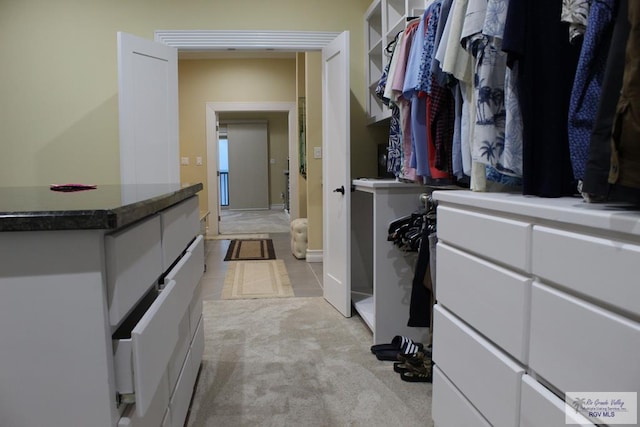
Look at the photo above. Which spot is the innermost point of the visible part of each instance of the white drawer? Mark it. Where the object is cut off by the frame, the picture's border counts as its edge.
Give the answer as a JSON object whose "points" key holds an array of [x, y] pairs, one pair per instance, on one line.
{"points": [[493, 300], [166, 421], [577, 346], [154, 415], [195, 309], [196, 249], [540, 407], [488, 378], [141, 356], [197, 348], [449, 407], [179, 405], [180, 224], [133, 265], [598, 267], [183, 273], [500, 239], [180, 352]]}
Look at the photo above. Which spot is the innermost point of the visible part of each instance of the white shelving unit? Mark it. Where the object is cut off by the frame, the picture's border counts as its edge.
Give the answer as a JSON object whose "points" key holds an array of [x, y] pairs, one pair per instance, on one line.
{"points": [[381, 274], [383, 20]]}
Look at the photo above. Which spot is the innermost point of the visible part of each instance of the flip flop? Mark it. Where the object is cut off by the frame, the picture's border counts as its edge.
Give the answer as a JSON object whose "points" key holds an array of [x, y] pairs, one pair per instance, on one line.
{"points": [[416, 377], [418, 374], [399, 345]]}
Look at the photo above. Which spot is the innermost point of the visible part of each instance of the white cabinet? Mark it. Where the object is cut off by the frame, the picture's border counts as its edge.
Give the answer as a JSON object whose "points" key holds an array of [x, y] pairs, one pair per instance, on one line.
{"points": [[547, 289], [95, 330], [382, 21], [381, 274]]}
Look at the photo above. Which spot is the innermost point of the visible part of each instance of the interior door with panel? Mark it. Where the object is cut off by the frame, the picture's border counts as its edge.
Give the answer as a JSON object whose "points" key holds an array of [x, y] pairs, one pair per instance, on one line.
{"points": [[336, 172], [148, 111], [248, 166]]}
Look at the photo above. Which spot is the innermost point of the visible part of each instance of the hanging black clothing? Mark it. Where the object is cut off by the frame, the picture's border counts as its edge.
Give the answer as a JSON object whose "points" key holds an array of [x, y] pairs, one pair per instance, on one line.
{"points": [[546, 66], [420, 305]]}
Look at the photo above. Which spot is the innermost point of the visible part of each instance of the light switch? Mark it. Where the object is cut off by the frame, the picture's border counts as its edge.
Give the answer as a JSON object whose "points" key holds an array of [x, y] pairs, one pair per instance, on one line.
{"points": [[184, 161], [199, 161], [317, 152], [272, 161]]}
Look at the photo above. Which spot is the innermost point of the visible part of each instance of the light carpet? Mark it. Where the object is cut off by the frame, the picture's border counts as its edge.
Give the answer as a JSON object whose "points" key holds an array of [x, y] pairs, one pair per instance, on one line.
{"points": [[297, 362], [257, 279]]}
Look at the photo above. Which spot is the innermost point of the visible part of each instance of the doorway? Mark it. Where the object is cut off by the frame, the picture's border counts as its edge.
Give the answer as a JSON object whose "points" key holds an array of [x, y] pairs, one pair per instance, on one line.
{"points": [[247, 165], [214, 111]]}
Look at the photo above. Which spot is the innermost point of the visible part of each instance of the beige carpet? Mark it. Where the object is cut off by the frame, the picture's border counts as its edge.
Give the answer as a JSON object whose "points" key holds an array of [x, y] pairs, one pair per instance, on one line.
{"points": [[297, 362], [257, 279]]}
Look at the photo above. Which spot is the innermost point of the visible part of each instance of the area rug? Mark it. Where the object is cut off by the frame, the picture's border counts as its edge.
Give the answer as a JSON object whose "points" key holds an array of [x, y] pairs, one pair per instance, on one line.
{"points": [[257, 279], [250, 250]]}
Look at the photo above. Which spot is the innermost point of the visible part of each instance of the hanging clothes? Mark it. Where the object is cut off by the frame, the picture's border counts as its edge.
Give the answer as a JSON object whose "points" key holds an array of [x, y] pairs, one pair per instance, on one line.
{"points": [[576, 13], [625, 158], [587, 87], [596, 186], [546, 67]]}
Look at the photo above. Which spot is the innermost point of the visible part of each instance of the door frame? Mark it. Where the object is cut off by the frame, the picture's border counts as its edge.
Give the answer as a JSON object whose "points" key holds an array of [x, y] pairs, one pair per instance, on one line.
{"points": [[213, 109], [246, 40]]}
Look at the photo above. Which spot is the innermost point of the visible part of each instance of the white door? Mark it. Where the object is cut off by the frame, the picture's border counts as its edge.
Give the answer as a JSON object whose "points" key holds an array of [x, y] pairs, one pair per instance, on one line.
{"points": [[148, 111], [336, 174], [248, 166]]}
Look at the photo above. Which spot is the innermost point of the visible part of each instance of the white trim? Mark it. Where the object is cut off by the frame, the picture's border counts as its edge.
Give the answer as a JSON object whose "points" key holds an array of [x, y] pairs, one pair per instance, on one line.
{"points": [[314, 255], [225, 40], [212, 110], [277, 207]]}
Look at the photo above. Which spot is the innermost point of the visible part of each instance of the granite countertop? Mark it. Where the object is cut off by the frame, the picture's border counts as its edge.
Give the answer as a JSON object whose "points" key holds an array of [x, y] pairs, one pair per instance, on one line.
{"points": [[106, 207]]}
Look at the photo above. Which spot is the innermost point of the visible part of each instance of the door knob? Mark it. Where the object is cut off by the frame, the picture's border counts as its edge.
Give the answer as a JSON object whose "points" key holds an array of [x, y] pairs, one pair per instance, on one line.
{"points": [[339, 190]]}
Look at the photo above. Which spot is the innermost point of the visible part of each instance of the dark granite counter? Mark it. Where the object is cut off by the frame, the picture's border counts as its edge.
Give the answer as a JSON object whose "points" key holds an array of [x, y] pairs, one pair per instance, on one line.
{"points": [[106, 207]]}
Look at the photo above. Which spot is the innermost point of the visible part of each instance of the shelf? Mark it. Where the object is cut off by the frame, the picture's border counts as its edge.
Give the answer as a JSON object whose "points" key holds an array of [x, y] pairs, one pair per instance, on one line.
{"points": [[363, 304]]}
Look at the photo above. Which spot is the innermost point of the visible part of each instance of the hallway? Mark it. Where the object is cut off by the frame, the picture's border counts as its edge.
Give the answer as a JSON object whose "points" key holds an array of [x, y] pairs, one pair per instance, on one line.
{"points": [[306, 278]]}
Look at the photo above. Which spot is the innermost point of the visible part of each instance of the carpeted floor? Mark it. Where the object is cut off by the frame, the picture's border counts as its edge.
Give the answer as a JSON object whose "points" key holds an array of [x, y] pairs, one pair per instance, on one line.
{"points": [[297, 362]]}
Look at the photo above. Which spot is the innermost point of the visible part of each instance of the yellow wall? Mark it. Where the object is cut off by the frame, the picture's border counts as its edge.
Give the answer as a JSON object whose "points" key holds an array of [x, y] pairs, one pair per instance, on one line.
{"points": [[229, 80], [58, 80], [313, 78]]}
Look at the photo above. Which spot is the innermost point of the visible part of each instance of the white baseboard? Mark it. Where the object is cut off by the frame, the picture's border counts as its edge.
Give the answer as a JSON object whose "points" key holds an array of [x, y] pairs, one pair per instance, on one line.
{"points": [[277, 207], [314, 255]]}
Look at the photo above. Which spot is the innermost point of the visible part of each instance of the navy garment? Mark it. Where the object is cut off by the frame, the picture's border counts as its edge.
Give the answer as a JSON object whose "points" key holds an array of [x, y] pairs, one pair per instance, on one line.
{"points": [[599, 161], [420, 304], [537, 40], [587, 86]]}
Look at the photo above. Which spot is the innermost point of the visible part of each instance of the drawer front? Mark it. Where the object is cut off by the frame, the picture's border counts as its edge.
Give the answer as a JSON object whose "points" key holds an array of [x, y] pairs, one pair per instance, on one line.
{"points": [[196, 249], [494, 300], [180, 224], [180, 352], [577, 346], [597, 267], [449, 407], [141, 361], [540, 407], [484, 375], [133, 264], [195, 309], [166, 421], [156, 411], [154, 340], [183, 273], [197, 348], [500, 239], [179, 405]]}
